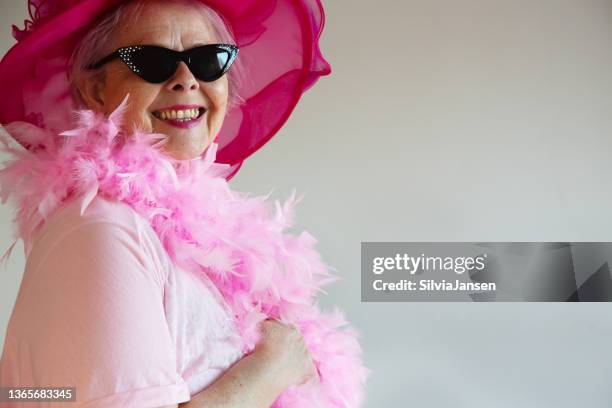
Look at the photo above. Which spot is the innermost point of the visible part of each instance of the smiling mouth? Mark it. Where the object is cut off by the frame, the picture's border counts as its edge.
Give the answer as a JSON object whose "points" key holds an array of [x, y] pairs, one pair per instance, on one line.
{"points": [[179, 115]]}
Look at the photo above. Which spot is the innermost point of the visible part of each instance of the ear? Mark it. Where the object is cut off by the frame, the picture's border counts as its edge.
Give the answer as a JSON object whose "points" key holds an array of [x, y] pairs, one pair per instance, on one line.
{"points": [[91, 89]]}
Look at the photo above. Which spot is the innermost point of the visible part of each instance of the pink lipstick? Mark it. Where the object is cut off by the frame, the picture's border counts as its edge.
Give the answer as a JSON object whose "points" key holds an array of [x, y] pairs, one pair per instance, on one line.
{"points": [[181, 116]]}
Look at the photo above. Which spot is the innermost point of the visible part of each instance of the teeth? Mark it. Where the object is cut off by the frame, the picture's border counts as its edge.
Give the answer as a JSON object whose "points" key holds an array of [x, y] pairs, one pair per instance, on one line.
{"points": [[182, 115]]}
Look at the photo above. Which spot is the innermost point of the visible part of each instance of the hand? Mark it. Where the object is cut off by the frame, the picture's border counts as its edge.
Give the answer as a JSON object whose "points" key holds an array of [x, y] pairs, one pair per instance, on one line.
{"points": [[283, 348]]}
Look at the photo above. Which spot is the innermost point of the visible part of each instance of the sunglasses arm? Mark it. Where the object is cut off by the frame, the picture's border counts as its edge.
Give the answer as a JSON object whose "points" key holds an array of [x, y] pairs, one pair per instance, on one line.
{"points": [[104, 60]]}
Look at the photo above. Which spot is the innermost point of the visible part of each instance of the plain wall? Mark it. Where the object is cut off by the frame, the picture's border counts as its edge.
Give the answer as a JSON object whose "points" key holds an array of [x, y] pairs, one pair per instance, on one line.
{"points": [[448, 120]]}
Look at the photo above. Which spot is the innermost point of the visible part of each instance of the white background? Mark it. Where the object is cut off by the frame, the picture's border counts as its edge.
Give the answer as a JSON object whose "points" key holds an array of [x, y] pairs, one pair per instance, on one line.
{"points": [[444, 120]]}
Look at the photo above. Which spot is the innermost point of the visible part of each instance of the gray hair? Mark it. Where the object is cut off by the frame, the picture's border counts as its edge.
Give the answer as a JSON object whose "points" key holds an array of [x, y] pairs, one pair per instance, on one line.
{"points": [[92, 47]]}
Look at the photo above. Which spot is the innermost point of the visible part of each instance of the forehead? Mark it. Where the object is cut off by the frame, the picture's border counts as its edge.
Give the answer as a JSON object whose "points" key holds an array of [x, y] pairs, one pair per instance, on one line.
{"points": [[174, 25]]}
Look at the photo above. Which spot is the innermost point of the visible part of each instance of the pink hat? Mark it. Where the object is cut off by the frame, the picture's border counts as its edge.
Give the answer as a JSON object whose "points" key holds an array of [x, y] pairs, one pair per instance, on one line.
{"points": [[279, 48]]}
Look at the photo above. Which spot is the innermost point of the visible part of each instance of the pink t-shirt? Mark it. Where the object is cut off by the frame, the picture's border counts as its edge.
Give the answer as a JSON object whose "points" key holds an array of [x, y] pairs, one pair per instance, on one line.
{"points": [[102, 307]]}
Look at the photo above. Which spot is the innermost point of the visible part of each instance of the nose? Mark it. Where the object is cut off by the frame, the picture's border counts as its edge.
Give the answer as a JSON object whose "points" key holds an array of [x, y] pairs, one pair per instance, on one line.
{"points": [[183, 80]]}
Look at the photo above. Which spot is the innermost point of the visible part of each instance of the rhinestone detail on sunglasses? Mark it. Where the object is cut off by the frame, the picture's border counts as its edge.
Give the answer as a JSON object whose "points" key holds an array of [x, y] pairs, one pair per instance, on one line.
{"points": [[126, 56]]}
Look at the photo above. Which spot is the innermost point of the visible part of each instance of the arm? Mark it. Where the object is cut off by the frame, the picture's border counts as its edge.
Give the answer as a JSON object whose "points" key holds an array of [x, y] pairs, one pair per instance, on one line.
{"points": [[248, 383], [93, 317], [278, 361]]}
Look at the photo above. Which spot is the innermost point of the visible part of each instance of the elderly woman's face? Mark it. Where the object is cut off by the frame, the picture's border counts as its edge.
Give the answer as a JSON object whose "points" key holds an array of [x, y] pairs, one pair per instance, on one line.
{"points": [[178, 27]]}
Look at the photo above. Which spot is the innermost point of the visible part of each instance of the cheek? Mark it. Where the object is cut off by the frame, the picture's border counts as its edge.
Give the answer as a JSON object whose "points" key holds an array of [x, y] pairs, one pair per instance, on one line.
{"points": [[140, 100], [217, 95], [137, 117]]}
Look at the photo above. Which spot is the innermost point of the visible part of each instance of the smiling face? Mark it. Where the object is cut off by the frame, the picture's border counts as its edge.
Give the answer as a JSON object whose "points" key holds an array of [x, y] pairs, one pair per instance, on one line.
{"points": [[158, 108]]}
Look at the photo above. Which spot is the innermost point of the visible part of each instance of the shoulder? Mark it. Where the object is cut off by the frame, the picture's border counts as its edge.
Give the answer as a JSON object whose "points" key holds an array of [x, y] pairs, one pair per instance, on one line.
{"points": [[100, 210], [109, 234], [94, 296]]}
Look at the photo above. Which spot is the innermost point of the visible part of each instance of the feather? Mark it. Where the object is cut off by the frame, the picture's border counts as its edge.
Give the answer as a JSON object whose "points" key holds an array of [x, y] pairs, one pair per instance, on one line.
{"points": [[89, 196], [239, 241]]}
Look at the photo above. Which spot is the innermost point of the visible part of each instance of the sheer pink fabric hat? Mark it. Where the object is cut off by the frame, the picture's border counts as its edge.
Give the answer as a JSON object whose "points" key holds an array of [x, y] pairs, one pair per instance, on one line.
{"points": [[279, 52]]}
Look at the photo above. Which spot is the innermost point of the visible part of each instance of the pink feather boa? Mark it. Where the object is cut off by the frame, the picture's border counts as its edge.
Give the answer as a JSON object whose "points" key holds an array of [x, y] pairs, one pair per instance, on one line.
{"points": [[262, 271]]}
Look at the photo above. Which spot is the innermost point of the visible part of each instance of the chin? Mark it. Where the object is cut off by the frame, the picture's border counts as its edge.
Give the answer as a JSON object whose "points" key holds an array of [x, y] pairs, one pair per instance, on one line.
{"points": [[182, 153]]}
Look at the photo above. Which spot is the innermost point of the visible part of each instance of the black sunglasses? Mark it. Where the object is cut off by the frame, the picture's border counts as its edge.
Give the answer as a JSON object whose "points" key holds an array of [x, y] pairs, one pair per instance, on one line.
{"points": [[157, 64]]}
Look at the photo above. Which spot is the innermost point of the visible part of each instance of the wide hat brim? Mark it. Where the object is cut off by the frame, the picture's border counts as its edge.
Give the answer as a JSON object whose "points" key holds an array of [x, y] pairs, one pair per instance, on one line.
{"points": [[279, 54]]}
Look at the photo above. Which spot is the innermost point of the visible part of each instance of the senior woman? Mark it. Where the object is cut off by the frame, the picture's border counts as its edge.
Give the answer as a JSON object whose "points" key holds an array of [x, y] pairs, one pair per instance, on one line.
{"points": [[148, 281]]}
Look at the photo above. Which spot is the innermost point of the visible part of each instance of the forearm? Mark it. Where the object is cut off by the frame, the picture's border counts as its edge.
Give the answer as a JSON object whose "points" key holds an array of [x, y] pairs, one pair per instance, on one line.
{"points": [[248, 383]]}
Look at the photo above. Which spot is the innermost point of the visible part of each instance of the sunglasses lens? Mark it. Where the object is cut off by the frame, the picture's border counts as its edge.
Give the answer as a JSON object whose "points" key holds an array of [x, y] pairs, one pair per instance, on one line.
{"points": [[209, 63], [154, 64]]}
